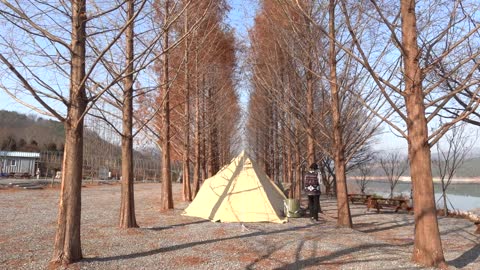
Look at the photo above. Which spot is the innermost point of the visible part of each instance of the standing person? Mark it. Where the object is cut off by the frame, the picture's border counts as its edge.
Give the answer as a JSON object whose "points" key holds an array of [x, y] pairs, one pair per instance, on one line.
{"points": [[312, 189]]}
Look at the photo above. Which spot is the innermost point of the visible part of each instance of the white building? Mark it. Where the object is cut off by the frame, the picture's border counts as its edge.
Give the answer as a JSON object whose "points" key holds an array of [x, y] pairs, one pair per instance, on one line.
{"points": [[18, 162]]}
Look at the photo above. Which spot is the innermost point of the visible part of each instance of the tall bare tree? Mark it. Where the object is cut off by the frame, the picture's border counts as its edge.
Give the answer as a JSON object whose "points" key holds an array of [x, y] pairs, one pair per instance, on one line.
{"points": [[404, 68], [393, 165], [167, 196], [127, 205], [187, 193], [67, 239], [365, 171], [344, 217], [451, 157]]}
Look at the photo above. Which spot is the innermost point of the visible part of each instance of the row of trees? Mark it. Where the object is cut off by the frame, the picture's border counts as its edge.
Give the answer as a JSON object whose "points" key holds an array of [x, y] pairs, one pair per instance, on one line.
{"points": [[166, 66], [323, 71], [298, 107]]}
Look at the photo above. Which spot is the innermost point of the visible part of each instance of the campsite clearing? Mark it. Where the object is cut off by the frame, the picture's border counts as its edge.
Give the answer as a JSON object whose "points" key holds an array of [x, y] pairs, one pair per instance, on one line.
{"points": [[168, 240]]}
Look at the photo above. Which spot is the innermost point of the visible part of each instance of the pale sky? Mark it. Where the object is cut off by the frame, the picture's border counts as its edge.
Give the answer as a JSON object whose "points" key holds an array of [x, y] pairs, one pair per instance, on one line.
{"points": [[241, 15], [8, 104]]}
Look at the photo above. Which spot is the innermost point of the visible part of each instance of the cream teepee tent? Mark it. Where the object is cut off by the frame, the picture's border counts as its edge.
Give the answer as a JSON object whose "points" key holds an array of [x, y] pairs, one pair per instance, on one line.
{"points": [[239, 192]]}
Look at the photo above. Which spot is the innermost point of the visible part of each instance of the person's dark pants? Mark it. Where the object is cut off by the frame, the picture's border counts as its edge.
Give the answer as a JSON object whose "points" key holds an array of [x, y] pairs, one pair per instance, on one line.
{"points": [[314, 206]]}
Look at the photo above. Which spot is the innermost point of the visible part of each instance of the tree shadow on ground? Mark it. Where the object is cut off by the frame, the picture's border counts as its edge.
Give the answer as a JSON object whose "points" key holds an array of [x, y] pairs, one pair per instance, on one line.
{"points": [[327, 259], [190, 245], [467, 229], [176, 225], [358, 215], [466, 258], [269, 255], [379, 227], [334, 259]]}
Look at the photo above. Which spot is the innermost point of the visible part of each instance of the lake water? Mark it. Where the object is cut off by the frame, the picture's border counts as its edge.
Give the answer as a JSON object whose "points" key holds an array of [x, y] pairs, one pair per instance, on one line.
{"points": [[463, 196]]}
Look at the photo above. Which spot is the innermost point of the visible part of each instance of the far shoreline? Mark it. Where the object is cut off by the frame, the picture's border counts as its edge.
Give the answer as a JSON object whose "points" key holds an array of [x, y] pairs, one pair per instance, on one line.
{"points": [[436, 180]]}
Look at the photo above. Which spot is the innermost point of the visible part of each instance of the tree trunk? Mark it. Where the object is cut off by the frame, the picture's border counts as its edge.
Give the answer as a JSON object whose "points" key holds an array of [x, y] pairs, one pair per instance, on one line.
{"points": [[272, 144], [277, 150], [445, 206], [212, 138], [187, 193], [167, 198], [298, 175], [127, 206], [444, 195], [290, 172], [197, 164], [203, 148], [198, 134], [266, 167], [310, 121], [427, 248], [67, 239], [213, 141], [344, 217], [67, 247], [325, 181]]}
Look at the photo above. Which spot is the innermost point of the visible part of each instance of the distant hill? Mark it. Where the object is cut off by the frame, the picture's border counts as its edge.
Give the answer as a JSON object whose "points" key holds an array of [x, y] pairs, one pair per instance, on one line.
{"points": [[470, 168], [20, 132], [30, 133]]}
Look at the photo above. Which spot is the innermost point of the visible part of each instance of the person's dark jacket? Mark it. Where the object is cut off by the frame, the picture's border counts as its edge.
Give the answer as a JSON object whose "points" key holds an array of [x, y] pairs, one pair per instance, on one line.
{"points": [[311, 184]]}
